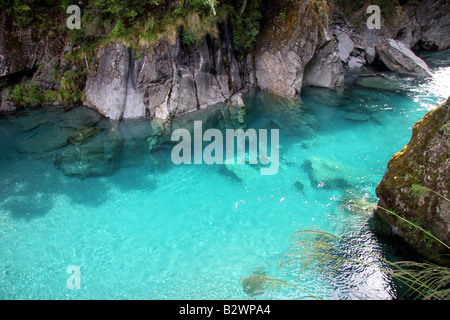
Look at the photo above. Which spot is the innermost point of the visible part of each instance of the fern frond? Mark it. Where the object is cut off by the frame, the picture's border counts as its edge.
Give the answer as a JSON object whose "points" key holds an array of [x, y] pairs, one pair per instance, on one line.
{"points": [[420, 191]]}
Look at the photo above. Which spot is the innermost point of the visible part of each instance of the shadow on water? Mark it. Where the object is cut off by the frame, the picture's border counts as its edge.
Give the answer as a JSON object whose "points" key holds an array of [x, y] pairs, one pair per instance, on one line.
{"points": [[91, 192], [30, 206], [25, 194], [129, 179]]}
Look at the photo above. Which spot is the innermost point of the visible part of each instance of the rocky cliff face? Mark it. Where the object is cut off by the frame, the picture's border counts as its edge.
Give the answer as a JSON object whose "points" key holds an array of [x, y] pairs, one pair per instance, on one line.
{"points": [[310, 45], [297, 50], [25, 55], [424, 162], [168, 80], [422, 26]]}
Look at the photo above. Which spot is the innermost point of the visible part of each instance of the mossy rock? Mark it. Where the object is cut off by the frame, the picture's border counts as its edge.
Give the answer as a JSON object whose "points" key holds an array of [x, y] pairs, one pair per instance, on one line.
{"points": [[425, 162]]}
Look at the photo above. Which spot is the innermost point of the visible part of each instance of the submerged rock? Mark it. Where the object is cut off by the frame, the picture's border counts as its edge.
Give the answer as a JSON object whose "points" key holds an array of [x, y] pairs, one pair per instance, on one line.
{"points": [[424, 162], [84, 134], [245, 173], [77, 118], [285, 48], [46, 140], [237, 111], [291, 116], [98, 157], [324, 173], [52, 129], [357, 116], [300, 187], [378, 82]]}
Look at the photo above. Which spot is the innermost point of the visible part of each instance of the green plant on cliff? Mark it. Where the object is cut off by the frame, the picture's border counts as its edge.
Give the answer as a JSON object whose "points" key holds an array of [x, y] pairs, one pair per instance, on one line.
{"points": [[118, 30], [36, 96], [138, 23], [23, 95], [50, 96], [71, 88], [19, 96], [246, 25]]}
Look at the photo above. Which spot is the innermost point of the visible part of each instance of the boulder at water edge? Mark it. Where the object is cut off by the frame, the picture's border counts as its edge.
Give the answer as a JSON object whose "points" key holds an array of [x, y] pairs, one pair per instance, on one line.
{"points": [[423, 163], [399, 58]]}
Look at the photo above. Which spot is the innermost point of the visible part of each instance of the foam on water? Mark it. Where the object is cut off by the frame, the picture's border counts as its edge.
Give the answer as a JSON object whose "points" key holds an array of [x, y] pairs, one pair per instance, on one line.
{"points": [[192, 232]]}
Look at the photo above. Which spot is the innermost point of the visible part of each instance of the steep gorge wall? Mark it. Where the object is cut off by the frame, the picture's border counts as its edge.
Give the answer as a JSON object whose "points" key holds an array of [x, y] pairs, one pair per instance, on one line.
{"points": [[168, 80], [171, 79], [297, 50], [310, 44], [422, 26]]}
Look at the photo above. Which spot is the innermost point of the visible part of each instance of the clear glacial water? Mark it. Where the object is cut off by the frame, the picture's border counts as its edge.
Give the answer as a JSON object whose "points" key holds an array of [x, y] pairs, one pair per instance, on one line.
{"points": [[192, 232]]}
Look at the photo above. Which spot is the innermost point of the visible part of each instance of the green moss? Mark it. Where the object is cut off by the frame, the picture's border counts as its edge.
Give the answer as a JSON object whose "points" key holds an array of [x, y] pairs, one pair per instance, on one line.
{"points": [[71, 88]]}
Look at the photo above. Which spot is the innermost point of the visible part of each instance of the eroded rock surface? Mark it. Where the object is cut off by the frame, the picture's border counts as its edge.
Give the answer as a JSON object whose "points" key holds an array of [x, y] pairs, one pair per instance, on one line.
{"points": [[399, 58], [424, 162]]}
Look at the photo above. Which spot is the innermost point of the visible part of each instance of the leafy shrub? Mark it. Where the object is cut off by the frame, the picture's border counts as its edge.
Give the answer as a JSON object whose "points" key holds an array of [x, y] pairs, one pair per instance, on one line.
{"points": [[119, 29], [35, 94], [19, 96], [71, 91], [50, 96], [246, 27], [188, 39]]}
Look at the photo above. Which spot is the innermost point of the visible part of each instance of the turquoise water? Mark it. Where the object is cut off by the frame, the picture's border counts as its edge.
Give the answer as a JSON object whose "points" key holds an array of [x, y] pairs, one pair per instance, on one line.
{"points": [[193, 232]]}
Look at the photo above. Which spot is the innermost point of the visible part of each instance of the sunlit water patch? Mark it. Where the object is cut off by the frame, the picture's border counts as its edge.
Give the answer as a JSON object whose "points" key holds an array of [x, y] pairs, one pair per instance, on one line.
{"points": [[193, 232]]}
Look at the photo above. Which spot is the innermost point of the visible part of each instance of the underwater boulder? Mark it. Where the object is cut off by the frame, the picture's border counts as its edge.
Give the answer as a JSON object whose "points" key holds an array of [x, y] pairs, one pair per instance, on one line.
{"points": [[31, 118], [324, 173], [52, 129], [300, 187], [46, 140], [357, 116], [378, 82], [237, 111], [245, 173], [83, 135], [98, 157], [78, 118]]}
